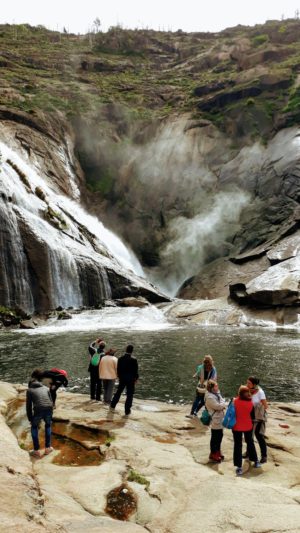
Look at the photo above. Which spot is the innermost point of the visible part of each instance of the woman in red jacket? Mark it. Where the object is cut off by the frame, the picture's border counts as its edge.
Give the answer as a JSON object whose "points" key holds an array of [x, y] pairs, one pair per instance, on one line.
{"points": [[243, 407]]}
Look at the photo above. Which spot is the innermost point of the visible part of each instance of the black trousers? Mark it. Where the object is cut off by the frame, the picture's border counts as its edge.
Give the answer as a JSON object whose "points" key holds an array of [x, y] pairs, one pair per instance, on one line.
{"points": [[53, 389], [238, 446], [95, 386], [261, 440], [215, 440], [129, 395]]}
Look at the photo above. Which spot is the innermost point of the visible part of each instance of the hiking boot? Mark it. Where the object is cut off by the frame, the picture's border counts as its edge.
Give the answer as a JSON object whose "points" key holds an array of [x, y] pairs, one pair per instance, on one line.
{"points": [[35, 453], [257, 464], [263, 460], [222, 457], [239, 471], [48, 450]]}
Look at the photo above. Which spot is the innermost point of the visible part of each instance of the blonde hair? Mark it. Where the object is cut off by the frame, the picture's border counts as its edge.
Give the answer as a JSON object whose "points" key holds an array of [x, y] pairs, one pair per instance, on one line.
{"points": [[210, 384], [208, 361]]}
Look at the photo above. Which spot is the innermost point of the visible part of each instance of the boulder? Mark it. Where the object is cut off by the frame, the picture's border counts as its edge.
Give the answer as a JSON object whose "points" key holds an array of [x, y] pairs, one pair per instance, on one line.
{"points": [[279, 285], [157, 456], [139, 301]]}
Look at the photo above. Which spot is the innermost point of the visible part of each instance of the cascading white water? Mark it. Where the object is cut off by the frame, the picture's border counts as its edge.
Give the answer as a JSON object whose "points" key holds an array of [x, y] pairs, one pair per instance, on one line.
{"points": [[14, 283], [64, 244], [65, 279], [113, 243]]}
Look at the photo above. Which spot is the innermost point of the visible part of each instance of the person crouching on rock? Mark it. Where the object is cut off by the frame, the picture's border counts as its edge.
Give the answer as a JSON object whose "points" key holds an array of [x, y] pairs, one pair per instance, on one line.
{"points": [[57, 378], [215, 405], [108, 374], [243, 408], [39, 406]]}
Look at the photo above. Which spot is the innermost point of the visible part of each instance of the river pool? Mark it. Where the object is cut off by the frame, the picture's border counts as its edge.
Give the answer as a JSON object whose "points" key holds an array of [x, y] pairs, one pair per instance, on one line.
{"points": [[167, 353]]}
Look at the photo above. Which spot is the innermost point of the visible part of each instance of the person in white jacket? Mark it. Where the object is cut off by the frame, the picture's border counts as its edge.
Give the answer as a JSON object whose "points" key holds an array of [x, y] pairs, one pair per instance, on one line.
{"points": [[215, 405], [108, 374]]}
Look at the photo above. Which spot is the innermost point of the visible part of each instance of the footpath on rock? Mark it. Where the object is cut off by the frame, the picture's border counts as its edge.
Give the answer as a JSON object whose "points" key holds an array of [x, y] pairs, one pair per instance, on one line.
{"points": [[146, 472]]}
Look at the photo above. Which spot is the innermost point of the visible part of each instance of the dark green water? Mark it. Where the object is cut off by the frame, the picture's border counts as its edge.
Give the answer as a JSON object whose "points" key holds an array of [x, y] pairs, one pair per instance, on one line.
{"points": [[167, 358]]}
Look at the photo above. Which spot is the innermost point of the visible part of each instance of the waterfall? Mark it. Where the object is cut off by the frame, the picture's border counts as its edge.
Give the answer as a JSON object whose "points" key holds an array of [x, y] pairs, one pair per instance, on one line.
{"points": [[52, 252], [14, 274]]}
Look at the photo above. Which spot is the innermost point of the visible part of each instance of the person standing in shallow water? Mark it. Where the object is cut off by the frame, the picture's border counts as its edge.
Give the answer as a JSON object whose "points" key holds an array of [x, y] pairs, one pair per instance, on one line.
{"points": [[39, 406], [128, 374]]}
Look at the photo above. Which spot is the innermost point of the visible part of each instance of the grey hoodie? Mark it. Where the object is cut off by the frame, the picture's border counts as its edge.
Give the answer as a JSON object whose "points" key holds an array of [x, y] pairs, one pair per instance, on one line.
{"points": [[38, 399]]}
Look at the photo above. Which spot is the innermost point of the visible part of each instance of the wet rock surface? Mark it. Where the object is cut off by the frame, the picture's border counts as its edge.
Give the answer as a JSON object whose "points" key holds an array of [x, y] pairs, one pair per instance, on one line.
{"points": [[150, 476]]}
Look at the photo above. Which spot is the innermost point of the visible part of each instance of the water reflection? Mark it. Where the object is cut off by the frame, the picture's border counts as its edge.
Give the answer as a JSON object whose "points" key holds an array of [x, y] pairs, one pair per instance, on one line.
{"points": [[167, 358]]}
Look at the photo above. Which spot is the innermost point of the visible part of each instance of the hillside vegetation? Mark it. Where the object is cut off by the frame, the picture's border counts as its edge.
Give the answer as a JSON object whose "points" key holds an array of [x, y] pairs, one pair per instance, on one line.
{"points": [[244, 79]]}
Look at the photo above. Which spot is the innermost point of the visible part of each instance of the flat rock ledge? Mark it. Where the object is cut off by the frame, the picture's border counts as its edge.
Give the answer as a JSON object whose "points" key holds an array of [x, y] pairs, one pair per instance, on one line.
{"points": [[156, 456]]}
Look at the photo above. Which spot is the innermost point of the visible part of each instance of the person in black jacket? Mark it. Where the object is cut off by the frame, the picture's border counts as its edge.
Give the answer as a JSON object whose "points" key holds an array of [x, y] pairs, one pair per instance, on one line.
{"points": [[39, 406], [127, 371]]}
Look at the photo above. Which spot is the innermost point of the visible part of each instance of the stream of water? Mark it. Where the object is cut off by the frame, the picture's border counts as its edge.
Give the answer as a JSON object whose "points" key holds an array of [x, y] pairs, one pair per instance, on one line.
{"points": [[167, 353]]}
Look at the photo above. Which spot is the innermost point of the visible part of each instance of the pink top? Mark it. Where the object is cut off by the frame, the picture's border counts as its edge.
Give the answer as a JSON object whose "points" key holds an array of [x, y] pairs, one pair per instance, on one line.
{"points": [[108, 367], [243, 409]]}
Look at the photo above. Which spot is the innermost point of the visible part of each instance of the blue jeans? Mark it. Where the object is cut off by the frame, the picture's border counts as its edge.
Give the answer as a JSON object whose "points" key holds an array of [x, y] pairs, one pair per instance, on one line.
{"points": [[45, 415], [198, 403]]}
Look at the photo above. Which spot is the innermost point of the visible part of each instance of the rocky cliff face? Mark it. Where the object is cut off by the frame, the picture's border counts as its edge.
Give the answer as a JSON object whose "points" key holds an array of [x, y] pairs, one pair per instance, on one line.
{"points": [[188, 149], [53, 253]]}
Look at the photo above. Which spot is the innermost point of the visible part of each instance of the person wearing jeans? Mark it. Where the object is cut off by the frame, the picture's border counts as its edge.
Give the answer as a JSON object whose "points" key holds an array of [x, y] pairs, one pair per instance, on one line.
{"points": [[39, 406], [203, 373]]}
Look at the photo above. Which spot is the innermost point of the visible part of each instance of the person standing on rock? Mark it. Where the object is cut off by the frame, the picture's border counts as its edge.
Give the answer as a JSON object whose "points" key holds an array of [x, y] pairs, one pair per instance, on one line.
{"points": [[260, 404], [93, 346], [204, 372], [39, 406], [215, 405], [95, 381], [243, 426], [108, 374], [127, 370]]}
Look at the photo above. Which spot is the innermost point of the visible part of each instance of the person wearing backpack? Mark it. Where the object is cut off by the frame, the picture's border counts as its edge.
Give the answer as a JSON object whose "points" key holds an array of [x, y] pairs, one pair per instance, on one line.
{"points": [[95, 381], [93, 346], [204, 372], [243, 426], [215, 405]]}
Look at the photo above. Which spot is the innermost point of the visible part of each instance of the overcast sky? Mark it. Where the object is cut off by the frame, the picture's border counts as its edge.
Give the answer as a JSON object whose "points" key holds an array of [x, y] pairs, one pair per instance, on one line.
{"points": [[189, 15]]}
